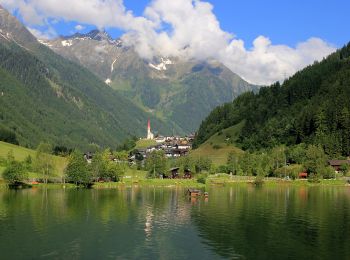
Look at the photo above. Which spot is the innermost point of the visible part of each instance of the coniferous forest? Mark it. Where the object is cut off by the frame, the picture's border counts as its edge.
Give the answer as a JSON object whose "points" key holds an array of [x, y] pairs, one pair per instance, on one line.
{"points": [[45, 97], [311, 107]]}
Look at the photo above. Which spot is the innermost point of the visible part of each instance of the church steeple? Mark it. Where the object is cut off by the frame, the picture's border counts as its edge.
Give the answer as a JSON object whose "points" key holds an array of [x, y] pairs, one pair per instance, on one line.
{"points": [[150, 136]]}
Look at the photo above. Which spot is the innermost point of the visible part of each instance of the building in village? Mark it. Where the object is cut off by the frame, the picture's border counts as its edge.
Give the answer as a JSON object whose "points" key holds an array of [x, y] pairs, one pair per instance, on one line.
{"points": [[150, 135], [336, 164]]}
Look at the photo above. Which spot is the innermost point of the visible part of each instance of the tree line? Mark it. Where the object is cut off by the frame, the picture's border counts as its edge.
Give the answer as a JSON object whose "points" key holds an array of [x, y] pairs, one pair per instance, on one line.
{"points": [[311, 107], [283, 161], [157, 164], [78, 170]]}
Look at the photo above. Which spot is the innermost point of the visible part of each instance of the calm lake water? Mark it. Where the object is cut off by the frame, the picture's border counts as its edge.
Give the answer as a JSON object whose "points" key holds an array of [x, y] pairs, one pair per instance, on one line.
{"points": [[162, 223]]}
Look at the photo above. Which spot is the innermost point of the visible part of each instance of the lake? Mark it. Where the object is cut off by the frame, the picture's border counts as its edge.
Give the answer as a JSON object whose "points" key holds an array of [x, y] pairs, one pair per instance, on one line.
{"points": [[242, 222]]}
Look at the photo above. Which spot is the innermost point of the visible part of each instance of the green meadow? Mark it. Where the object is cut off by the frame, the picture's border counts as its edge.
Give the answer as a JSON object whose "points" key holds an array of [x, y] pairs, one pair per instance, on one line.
{"points": [[21, 153]]}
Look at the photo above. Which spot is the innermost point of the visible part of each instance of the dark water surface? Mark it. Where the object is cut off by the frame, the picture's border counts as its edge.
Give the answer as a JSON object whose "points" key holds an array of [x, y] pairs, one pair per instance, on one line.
{"points": [[162, 223]]}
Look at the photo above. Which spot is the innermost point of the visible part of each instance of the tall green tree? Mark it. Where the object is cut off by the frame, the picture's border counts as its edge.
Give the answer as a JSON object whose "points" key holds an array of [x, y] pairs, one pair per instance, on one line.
{"points": [[99, 165], [202, 164], [15, 172], [156, 164], [77, 170], [233, 162], [103, 167], [44, 163], [315, 159]]}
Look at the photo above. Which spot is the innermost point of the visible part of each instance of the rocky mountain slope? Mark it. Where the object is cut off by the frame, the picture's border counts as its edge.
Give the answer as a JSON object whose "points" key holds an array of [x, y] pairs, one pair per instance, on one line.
{"points": [[178, 91], [45, 97]]}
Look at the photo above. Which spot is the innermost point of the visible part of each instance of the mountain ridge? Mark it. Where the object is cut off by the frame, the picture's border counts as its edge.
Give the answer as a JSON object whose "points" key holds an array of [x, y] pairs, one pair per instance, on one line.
{"points": [[67, 104], [163, 85]]}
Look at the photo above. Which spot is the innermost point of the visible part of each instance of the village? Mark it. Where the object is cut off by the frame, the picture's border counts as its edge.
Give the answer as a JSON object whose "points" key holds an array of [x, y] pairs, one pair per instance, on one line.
{"points": [[176, 147], [172, 146]]}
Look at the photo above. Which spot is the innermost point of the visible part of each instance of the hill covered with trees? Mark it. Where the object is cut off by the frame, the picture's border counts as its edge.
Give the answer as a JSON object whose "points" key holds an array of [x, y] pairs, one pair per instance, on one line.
{"points": [[44, 97], [311, 107]]}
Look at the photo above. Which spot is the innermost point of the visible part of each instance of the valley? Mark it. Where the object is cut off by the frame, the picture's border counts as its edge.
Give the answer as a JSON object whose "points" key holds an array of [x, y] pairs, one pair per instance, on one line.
{"points": [[170, 88]]}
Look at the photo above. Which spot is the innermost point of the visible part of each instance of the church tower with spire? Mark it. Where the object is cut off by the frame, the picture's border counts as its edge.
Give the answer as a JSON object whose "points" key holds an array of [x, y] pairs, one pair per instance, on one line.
{"points": [[150, 135]]}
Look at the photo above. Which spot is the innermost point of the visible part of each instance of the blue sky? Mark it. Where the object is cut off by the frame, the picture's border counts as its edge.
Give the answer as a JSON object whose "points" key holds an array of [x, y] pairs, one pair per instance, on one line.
{"points": [[262, 41], [283, 21], [286, 21]]}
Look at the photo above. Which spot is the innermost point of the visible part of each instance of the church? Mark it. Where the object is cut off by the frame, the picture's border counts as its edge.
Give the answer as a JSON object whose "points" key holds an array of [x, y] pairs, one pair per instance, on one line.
{"points": [[150, 135]]}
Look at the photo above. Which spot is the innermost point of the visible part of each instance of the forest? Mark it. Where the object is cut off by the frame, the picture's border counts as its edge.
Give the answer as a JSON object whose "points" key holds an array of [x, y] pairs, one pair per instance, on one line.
{"points": [[45, 97], [312, 107]]}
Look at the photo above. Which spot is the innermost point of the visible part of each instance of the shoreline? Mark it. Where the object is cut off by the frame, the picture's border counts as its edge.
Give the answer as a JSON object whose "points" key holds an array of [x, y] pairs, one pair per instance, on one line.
{"points": [[211, 182]]}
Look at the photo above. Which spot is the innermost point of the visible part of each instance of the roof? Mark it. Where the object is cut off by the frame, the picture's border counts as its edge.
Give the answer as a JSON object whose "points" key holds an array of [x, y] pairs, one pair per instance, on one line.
{"points": [[338, 162]]}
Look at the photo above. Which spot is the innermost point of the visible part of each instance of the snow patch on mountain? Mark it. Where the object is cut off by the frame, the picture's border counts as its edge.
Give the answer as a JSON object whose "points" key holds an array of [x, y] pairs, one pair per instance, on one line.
{"points": [[162, 65], [112, 66], [108, 81], [67, 43], [45, 43], [3, 34]]}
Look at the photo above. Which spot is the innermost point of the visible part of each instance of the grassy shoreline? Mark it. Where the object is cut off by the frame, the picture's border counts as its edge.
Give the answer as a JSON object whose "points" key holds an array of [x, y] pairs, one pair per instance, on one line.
{"points": [[211, 182]]}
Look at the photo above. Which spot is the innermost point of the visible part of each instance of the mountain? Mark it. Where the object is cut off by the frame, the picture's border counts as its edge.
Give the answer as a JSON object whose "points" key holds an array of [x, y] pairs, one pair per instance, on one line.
{"points": [[310, 107], [45, 97], [178, 91]]}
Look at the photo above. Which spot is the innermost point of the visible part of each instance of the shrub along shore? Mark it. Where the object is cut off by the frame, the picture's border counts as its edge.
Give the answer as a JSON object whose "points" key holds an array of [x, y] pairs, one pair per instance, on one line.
{"points": [[218, 181], [23, 167]]}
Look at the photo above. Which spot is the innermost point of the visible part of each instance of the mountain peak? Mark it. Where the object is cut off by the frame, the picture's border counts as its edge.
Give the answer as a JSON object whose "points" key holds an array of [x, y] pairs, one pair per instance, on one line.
{"points": [[93, 35], [99, 35], [12, 30]]}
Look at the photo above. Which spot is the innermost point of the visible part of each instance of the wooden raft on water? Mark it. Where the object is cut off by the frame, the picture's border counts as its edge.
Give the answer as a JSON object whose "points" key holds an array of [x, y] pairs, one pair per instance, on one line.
{"points": [[196, 193]]}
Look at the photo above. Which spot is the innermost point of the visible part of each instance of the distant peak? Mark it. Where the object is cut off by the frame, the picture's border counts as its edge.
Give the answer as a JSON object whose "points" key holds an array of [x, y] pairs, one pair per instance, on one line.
{"points": [[96, 35]]}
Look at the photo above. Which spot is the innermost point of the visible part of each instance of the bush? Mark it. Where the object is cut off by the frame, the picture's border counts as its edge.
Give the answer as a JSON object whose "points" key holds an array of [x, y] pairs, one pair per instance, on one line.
{"points": [[344, 168], [202, 178], [216, 147], [3, 161], [326, 172], [259, 180], [8, 136], [313, 178], [223, 169], [15, 173]]}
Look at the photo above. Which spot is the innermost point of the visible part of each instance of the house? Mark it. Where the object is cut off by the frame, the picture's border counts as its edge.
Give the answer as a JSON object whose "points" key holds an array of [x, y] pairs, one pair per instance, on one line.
{"points": [[336, 164], [160, 139], [88, 157], [187, 174], [302, 175], [183, 146], [174, 172]]}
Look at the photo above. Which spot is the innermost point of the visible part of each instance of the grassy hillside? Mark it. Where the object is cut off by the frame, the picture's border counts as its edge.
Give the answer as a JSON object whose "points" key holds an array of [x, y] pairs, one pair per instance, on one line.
{"points": [[143, 143], [218, 146], [20, 153]]}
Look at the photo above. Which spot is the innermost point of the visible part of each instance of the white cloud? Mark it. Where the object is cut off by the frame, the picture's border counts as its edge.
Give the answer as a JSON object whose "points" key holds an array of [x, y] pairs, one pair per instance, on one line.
{"points": [[186, 28], [47, 34], [79, 27]]}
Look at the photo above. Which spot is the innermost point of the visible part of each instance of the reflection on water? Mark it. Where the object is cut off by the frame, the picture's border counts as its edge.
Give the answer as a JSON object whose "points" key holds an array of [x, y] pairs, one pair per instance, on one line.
{"points": [[162, 223]]}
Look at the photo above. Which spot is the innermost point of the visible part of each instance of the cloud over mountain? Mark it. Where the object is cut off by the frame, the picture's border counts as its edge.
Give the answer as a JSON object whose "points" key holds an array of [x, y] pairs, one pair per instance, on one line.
{"points": [[184, 28]]}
